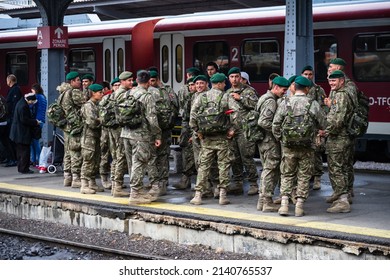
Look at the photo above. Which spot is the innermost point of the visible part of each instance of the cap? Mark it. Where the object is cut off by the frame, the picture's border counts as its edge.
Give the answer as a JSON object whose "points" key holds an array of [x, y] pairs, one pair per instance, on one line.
{"points": [[303, 81], [190, 80], [125, 75], [234, 70], [338, 61], [153, 74], [281, 81], [307, 67], [336, 74], [95, 87], [245, 76], [115, 80], [217, 78], [200, 78], [292, 79], [88, 77], [72, 75], [193, 70]]}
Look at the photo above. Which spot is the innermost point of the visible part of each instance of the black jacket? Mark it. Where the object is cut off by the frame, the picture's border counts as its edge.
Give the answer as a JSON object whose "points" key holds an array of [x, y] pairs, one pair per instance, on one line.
{"points": [[13, 96], [23, 123]]}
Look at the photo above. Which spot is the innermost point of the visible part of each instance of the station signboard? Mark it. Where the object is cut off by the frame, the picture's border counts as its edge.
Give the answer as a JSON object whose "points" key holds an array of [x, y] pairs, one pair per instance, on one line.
{"points": [[52, 37]]}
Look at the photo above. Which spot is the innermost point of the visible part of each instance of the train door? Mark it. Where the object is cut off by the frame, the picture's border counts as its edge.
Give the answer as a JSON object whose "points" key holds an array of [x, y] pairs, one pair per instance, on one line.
{"points": [[113, 58], [172, 60]]}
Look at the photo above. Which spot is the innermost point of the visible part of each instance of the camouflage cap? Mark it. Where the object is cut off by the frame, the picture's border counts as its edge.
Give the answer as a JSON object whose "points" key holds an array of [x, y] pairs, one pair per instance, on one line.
{"points": [[281, 81], [72, 75], [337, 74], [303, 81], [125, 75], [338, 61], [96, 87], [218, 78], [234, 70]]}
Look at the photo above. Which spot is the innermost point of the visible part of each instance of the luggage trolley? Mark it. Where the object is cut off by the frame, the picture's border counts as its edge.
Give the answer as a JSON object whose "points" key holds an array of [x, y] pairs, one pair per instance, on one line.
{"points": [[57, 153]]}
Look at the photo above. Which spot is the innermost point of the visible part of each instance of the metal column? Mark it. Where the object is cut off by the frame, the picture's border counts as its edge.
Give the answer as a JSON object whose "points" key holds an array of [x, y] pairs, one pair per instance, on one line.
{"points": [[298, 41]]}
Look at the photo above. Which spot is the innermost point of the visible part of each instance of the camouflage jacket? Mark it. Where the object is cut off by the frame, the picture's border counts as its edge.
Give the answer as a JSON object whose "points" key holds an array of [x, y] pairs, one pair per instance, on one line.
{"points": [[266, 106], [92, 124], [71, 102]]}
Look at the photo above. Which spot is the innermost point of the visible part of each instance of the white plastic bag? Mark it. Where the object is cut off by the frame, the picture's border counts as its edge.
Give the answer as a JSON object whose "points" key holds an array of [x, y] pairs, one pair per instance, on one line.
{"points": [[44, 157]]}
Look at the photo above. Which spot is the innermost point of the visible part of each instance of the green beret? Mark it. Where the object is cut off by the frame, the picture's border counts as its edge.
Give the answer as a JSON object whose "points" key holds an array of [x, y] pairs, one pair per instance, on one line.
{"points": [[125, 75], [303, 81], [115, 80], [134, 84], [72, 75], [292, 79], [338, 61], [307, 67], [281, 81], [337, 74], [153, 74], [190, 80], [88, 77], [96, 87], [200, 78], [217, 78], [234, 70], [193, 70]]}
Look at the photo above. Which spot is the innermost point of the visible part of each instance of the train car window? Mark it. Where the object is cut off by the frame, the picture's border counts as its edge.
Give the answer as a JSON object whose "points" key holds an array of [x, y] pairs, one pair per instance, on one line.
{"points": [[217, 52], [371, 57], [17, 64], [107, 65], [260, 58], [325, 49], [82, 61], [165, 64], [119, 61], [179, 63]]}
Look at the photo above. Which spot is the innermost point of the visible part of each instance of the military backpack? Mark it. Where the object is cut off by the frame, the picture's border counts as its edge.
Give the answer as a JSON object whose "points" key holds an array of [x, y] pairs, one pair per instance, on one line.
{"points": [[165, 113], [128, 111], [298, 129], [56, 114], [107, 111], [358, 123]]}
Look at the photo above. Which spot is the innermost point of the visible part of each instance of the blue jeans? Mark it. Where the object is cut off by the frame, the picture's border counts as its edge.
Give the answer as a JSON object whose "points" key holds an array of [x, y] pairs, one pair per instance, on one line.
{"points": [[35, 151]]}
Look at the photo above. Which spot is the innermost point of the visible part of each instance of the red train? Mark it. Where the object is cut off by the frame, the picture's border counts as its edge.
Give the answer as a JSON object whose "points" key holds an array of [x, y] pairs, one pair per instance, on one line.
{"points": [[252, 39]]}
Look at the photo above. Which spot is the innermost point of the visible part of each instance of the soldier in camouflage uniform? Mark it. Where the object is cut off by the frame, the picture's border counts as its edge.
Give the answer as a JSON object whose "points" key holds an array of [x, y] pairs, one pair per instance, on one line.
{"points": [[269, 147], [71, 103], [167, 108], [316, 93], [297, 161], [183, 93], [141, 140], [352, 89], [244, 150], [90, 141], [119, 165], [216, 144], [86, 81], [185, 141], [338, 141]]}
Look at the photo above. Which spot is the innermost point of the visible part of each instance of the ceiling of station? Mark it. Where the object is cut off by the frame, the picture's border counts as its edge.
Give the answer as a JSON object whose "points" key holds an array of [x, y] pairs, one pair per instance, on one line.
{"points": [[122, 9]]}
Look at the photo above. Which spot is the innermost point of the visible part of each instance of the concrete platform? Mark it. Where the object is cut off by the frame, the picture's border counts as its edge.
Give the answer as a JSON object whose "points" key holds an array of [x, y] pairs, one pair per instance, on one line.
{"points": [[364, 233]]}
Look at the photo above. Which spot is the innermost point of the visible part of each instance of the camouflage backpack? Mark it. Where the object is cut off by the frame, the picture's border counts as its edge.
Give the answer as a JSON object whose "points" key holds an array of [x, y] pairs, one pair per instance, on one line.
{"points": [[298, 130], [107, 111], [128, 111], [211, 117], [358, 123], [55, 113], [165, 113], [252, 131]]}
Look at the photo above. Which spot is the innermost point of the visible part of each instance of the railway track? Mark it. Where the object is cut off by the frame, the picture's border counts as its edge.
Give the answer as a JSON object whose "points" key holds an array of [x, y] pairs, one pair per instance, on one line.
{"points": [[80, 246]]}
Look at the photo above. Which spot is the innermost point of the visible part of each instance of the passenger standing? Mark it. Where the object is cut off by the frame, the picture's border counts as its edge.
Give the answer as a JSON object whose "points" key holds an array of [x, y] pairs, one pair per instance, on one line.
{"points": [[269, 147], [216, 143], [90, 141], [4, 131], [338, 141], [21, 131], [244, 150], [297, 111], [71, 103]]}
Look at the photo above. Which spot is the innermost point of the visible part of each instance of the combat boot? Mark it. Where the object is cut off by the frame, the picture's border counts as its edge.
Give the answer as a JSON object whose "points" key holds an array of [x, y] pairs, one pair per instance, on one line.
{"points": [[223, 200], [117, 191], [260, 203], [253, 189], [283, 210], [76, 181], [155, 191], [67, 179], [137, 197], [105, 182], [340, 206], [317, 183], [85, 189], [278, 200], [197, 200], [185, 183], [94, 186], [236, 189], [216, 192], [332, 198], [299, 208], [269, 206], [163, 187]]}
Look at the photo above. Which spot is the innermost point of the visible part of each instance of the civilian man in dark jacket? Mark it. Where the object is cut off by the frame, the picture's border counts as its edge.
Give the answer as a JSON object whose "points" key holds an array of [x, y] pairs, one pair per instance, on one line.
{"points": [[21, 131]]}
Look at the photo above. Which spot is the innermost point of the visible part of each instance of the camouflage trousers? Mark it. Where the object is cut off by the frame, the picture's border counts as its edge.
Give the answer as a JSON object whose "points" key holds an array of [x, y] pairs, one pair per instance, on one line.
{"points": [[211, 148], [296, 169], [75, 153], [270, 155], [141, 153], [161, 162], [318, 169], [244, 152], [187, 152], [117, 150], [351, 162], [67, 160], [338, 153], [90, 151], [104, 166]]}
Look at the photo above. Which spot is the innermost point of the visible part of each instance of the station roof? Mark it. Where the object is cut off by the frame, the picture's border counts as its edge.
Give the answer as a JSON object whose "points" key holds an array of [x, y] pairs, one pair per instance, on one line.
{"points": [[125, 9]]}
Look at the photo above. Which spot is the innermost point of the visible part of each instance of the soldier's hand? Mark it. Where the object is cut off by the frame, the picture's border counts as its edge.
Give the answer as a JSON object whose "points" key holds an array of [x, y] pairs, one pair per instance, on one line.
{"points": [[230, 134], [190, 140], [236, 96], [200, 135], [157, 143]]}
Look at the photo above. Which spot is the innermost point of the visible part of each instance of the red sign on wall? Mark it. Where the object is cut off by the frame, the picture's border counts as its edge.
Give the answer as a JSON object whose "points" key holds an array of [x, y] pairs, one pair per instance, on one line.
{"points": [[52, 37]]}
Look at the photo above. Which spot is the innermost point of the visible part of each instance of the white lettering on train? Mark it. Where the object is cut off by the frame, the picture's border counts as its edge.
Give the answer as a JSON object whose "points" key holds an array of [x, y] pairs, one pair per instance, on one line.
{"points": [[380, 101]]}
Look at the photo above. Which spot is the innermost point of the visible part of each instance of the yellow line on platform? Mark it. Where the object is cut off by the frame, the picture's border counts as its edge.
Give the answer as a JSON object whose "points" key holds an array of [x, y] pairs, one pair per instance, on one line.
{"points": [[208, 211]]}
